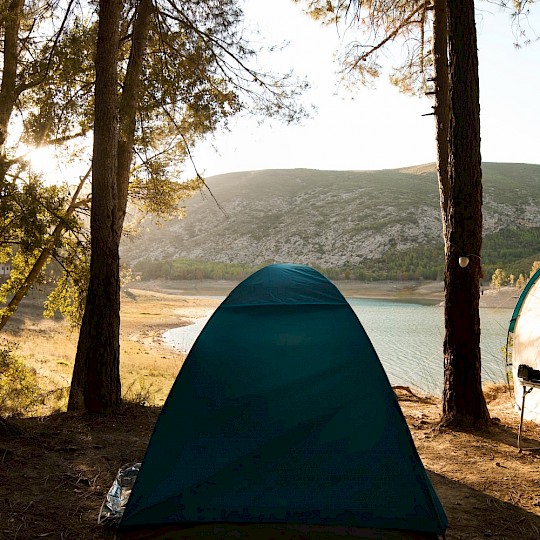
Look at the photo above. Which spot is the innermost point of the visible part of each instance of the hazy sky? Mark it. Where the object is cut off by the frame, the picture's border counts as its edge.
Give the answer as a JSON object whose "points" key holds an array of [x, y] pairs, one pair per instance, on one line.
{"points": [[378, 128]]}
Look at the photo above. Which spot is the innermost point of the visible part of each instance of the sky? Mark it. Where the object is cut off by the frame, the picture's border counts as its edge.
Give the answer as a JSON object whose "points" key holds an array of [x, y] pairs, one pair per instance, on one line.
{"points": [[377, 128]]}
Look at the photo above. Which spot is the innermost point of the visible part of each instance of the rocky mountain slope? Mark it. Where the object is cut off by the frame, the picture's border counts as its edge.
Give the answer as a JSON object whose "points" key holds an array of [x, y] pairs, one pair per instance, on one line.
{"points": [[328, 218]]}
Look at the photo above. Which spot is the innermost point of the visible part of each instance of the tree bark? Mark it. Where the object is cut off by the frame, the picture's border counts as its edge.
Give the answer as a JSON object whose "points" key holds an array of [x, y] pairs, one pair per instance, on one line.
{"points": [[128, 108], [95, 385], [464, 405], [442, 107], [12, 23]]}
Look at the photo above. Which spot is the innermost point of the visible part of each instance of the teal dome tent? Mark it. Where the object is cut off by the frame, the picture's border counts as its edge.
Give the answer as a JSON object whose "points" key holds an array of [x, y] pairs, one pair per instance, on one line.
{"points": [[282, 413]]}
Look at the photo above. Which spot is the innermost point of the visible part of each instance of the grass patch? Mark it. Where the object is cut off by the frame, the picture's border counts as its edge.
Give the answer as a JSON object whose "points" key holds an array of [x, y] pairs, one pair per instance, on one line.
{"points": [[45, 351]]}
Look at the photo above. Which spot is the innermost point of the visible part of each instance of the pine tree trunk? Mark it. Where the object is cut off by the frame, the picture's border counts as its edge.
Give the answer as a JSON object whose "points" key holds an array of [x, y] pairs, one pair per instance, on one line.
{"points": [[95, 386], [463, 401], [442, 107], [129, 103], [10, 51]]}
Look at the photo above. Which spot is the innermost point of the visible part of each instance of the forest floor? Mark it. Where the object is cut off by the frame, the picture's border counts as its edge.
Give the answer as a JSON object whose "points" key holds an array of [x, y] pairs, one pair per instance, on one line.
{"points": [[56, 468]]}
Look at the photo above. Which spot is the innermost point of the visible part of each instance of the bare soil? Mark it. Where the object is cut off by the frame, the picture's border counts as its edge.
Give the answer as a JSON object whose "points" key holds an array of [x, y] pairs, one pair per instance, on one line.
{"points": [[56, 469]]}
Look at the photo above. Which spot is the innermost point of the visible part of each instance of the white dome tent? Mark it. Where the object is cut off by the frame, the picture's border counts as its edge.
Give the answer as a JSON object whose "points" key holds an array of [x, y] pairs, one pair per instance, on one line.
{"points": [[524, 336]]}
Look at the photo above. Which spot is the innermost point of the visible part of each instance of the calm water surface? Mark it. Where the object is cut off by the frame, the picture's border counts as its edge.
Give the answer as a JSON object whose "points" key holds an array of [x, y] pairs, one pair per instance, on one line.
{"points": [[408, 338]]}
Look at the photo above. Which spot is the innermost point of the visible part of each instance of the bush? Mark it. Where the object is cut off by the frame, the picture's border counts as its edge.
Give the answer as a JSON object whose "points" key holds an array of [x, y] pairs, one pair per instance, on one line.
{"points": [[521, 281], [140, 393], [19, 391], [499, 278]]}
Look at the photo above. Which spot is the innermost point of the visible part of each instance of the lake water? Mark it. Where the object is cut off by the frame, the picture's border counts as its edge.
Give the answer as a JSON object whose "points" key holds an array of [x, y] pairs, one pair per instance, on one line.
{"points": [[408, 338]]}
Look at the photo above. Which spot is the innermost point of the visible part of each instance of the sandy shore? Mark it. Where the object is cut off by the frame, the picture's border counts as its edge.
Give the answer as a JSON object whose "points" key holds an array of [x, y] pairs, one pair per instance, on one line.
{"points": [[431, 292], [149, 309]]}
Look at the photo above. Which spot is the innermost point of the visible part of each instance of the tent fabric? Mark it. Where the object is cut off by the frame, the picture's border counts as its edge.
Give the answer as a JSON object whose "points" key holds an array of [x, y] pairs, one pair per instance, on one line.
{"points": [[521, 299], [525, 329], [282, 413]]}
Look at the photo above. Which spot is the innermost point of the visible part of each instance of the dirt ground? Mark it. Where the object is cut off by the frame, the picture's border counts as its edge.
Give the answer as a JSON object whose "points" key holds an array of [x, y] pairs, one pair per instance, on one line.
{"points": [[56, 469]]}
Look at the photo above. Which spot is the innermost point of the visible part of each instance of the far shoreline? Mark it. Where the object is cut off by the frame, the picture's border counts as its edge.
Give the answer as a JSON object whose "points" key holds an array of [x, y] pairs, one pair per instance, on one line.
{"points": [[429, 292]]}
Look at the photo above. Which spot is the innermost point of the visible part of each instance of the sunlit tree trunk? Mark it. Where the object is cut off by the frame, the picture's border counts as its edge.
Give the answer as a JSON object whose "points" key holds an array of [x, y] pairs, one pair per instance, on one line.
{"points": [[10, 48], [463, 400], [96, 384]]}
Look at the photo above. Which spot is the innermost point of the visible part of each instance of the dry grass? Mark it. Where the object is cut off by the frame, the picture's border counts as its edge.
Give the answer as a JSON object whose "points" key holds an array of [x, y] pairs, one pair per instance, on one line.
{"points": [[148, 365]]}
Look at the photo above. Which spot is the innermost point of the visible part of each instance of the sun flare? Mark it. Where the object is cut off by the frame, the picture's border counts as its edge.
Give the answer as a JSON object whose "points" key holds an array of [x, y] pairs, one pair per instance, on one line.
{"points": [[57, 165], [42, 160]]}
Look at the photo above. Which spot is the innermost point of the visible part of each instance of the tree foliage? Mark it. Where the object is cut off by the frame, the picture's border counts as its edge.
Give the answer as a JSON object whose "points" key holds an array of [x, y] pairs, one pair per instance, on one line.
{"points": [[19, 390], [499, 278], [376, 26], [194, 77], [31, 209]]}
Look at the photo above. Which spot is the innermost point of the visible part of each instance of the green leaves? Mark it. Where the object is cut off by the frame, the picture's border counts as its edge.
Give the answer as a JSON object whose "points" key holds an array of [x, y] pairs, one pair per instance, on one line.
{"points": [[19, 390], [27, 211], [195, 76]]}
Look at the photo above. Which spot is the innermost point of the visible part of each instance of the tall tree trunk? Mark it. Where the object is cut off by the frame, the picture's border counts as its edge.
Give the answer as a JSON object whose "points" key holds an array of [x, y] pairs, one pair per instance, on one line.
{"points": [[12, 22], [95, 385], [442, 107], [128, 108], [463, 401]]}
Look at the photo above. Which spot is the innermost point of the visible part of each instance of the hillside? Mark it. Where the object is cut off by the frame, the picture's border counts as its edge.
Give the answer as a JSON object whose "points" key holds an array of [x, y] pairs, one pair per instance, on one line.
{"points": [[363, 221]]}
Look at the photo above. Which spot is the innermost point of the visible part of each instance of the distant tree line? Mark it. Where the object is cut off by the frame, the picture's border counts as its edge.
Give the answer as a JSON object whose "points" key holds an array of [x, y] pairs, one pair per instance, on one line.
{"points": [[501, 279], [511, 250], [384, 269], [191, 269]]}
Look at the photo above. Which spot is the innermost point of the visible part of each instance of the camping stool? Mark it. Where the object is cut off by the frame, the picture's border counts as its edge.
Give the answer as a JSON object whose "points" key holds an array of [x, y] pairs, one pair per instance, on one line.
{"points": [[532, 385]]}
